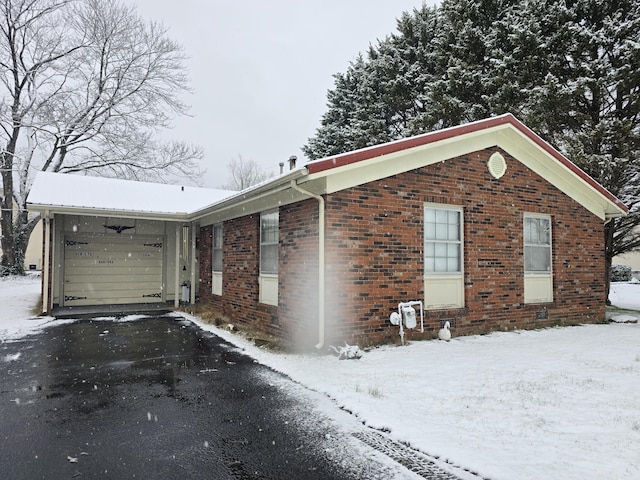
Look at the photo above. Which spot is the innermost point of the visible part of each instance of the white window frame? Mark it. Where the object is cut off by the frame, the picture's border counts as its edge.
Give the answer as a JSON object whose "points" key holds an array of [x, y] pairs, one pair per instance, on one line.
{"points": [[268, 278], [217, 243], [538, 284], [443, 288]]}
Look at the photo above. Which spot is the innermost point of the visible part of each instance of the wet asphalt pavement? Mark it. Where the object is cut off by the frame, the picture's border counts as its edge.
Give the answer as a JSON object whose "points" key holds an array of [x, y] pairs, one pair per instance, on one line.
{"points": [[158, 398]]}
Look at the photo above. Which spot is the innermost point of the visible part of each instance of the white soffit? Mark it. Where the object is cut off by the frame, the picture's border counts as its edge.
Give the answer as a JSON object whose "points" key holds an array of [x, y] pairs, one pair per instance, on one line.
{"points": [[536, 159]]}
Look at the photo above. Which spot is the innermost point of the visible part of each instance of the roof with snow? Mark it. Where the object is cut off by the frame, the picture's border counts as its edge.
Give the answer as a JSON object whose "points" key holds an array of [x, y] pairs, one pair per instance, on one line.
{"points": [[76, 194], [66, 193]]}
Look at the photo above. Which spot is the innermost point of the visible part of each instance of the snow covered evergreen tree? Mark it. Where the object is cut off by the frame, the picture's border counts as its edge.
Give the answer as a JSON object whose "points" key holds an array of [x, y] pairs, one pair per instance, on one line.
{"points": [[463, 49], [569, 69], [582, 93], [604, 133], [382, 96]]}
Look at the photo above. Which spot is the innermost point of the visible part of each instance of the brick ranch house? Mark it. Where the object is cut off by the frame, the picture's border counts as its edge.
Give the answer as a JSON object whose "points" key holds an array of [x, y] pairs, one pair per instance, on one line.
{"points": [[485, 223]]}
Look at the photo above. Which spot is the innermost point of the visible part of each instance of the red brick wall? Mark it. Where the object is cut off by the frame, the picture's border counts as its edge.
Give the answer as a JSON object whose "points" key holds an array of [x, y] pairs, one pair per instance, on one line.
{"points": [[298, 272], [374, 259], [375, 244], [205, 248], [296, 317], [240, 269]]}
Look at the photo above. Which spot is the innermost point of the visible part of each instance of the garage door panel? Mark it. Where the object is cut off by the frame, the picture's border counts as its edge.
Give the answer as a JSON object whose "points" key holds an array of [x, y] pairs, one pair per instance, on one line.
{"points": [[121, 266], [119, 269], [105, 290], [102, 258], [117, 299], [123, 277]]}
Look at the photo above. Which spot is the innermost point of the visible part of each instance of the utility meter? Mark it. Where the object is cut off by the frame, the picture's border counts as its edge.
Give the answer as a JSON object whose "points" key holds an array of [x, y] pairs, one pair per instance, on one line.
{"points": [[409, 315], [395, 318]]}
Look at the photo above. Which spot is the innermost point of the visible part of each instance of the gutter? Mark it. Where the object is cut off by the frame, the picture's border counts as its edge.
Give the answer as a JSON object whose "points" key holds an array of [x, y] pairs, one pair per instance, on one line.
{"points": [[251, 194], [105, 212], [321, 262]]}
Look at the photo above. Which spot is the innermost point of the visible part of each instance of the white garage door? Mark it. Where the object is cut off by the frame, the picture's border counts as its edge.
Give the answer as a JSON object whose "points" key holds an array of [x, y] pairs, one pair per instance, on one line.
{"points": [[112, 269]]}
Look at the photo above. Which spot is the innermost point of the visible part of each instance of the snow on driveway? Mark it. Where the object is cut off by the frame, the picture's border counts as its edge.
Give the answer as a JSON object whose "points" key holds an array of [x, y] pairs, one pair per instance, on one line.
{"points": [[553, 403]]}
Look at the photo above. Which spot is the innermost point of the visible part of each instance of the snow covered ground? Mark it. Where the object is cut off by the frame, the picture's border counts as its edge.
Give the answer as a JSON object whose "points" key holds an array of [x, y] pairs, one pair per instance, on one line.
{"points": [[547, 404], [18, 297]]}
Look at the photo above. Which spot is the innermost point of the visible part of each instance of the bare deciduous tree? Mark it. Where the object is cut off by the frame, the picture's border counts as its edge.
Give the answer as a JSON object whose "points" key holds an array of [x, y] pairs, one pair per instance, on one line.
{"points": [[243, 174], [85, 86]]}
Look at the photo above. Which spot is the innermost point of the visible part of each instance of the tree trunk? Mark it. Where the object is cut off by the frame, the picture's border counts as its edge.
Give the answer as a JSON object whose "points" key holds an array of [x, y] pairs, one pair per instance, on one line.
{"points": [[7, 239]]}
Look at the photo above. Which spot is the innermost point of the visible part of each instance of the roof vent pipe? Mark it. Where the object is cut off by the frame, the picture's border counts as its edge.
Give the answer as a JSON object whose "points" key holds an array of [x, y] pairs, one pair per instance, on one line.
{"points": [[281, 167], [292, 162]]}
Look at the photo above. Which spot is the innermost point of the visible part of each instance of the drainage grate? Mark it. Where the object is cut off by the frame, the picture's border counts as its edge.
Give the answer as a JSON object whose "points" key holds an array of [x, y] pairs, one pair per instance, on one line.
{"points": [[413, 460]]}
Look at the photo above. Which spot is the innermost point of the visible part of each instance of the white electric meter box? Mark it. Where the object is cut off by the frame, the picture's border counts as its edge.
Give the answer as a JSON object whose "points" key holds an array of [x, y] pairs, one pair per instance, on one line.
{"points": [[186, 294], [409, 315]]}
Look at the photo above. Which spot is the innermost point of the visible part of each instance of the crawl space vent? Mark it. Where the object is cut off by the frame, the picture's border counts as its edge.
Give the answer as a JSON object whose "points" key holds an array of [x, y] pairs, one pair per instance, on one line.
{"points": [[497, 165]]}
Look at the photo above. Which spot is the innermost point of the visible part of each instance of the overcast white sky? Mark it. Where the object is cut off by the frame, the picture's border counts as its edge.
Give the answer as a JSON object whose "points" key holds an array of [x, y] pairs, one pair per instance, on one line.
{"points": [[260, 69]]}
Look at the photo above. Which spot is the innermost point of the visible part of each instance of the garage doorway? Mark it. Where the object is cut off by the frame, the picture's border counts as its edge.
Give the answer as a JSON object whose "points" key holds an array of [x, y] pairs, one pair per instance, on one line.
{"points": [[113, 269]]}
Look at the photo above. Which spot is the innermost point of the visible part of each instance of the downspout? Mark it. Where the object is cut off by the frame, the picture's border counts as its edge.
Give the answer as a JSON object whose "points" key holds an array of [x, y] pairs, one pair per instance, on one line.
{"points": [[321, 266], [46, 263], [176, 283], [192, 293]]}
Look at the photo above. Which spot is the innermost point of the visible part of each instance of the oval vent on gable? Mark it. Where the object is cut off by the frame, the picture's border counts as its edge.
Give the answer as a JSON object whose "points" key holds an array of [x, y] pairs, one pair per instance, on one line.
{"points": [[497, 165]]}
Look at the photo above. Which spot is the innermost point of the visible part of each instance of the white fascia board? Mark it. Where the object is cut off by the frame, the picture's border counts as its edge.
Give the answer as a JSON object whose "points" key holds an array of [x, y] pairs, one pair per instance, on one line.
{"points": [[95, 212], [504, 136], [266, 196], [557, 174], [384, 166]]}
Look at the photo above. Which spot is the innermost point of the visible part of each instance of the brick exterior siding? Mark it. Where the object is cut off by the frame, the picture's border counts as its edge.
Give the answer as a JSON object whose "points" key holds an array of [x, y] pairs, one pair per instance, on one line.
{"points": [[374, 256], [296, 317], [240, 270]]}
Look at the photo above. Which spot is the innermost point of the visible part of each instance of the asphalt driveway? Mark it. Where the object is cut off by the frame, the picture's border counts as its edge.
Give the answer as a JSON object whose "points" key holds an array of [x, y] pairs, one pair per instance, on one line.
{"points": [[159, 398]]}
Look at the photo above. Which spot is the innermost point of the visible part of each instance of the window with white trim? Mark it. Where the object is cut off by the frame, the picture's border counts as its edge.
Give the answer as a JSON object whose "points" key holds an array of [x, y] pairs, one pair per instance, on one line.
{"points": [[217, 248], [216, 260], [538, 266], [537, 244], [269, 242], [443, 256], [442, 240], [268, 281]]}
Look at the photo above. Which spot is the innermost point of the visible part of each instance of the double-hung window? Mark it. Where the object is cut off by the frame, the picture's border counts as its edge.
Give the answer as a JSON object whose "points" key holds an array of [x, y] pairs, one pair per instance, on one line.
{"points": [[269, 226], [216, 260], [443, 256], [538, 271]]}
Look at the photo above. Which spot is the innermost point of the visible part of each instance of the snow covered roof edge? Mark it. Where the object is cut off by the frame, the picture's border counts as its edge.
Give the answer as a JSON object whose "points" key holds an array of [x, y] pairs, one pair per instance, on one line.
{"points": [[98, 194]]}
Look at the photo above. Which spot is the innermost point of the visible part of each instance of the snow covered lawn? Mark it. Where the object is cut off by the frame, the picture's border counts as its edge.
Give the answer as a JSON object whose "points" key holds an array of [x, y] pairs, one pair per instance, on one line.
{"points": [[555, 403], [625, 295], [18, 297]]}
